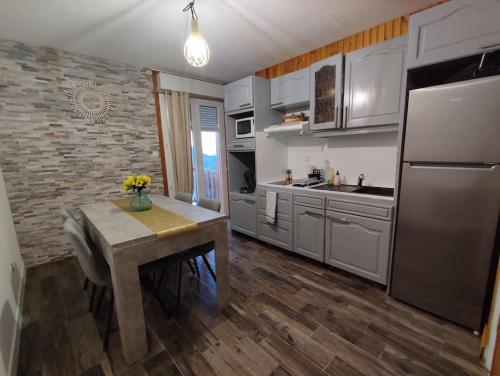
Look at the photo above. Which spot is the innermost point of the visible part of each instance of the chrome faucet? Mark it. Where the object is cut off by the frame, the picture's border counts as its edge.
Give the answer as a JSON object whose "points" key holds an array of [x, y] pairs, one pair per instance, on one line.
{"points": [[361, 177]]}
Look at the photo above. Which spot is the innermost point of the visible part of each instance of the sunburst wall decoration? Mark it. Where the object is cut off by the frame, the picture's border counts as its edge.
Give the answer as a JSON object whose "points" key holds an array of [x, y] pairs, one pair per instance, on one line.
{"points": [[90, 101]]}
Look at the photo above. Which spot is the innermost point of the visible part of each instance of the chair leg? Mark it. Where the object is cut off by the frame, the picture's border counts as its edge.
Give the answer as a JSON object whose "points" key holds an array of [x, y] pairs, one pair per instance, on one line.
{"points": [[85, 284], [210, 270], [190, 266], [99, 301], [196, 267], [108, 324], [179, 283], [160, 279], [92, 297]]}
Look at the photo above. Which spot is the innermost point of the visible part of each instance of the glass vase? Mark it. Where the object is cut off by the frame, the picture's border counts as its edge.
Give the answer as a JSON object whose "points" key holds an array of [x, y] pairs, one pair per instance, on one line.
{"points": [[140, 202]]}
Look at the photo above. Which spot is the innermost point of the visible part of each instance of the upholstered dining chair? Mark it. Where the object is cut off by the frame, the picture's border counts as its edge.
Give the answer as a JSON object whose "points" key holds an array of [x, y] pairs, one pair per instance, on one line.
{"points": [[191, 254], [214, 206], [66, 214], [188, 197], [184, 196], [96, 273]]}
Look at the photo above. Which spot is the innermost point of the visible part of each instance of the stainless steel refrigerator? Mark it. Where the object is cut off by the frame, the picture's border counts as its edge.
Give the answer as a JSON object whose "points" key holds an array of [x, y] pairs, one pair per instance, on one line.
{"points": [[449, 199]]}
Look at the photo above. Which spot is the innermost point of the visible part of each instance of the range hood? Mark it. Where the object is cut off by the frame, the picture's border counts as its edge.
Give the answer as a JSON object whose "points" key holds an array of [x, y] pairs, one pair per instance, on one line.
{"points": [[295, 128]]}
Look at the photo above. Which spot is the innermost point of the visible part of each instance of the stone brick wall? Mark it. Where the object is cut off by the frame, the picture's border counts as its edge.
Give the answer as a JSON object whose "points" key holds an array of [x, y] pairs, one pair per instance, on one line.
{"points": [[50, 157]]}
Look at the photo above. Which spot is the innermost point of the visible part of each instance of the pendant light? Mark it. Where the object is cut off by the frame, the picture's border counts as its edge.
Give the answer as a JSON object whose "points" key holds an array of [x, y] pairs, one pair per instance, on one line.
{"points": [[196, 49]]}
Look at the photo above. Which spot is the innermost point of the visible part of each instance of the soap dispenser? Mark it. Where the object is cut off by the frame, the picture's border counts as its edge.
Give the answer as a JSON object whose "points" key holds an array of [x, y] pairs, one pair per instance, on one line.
{"points": [[338, 179]]}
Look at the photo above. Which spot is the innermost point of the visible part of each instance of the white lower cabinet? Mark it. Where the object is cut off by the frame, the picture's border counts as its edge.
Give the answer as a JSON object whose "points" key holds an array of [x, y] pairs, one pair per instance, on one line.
{"points": [[309, 232], [243, 214], [358, 244], [279, 234]]}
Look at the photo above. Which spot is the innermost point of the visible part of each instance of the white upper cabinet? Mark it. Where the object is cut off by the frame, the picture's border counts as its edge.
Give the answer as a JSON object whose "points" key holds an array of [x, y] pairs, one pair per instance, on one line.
{"points": [[375, 84], [238, 95], [326, 93], [290, 90], [454, 29]]}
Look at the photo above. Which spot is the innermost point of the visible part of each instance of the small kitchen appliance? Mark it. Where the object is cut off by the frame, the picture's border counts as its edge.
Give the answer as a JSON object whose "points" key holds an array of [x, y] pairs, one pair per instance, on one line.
{"points": [[245, 128], [249, 177]]}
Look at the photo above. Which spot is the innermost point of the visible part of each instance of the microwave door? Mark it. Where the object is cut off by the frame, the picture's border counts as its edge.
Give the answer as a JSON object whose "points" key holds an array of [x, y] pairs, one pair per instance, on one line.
{"points": [[244, 128]]}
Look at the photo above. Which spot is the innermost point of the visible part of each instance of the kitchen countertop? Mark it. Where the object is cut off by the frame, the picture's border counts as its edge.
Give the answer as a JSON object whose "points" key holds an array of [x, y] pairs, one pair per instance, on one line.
{"points": [[383, 200]]}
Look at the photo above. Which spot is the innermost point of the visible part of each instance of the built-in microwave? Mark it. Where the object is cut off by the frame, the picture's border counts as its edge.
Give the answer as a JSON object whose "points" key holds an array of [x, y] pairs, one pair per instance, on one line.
{"points": [[245, 127]]}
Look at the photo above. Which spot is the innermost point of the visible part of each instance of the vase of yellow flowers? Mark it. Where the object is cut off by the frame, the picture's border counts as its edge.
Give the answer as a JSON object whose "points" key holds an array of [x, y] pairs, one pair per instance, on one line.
{"points": [[137, 183]]}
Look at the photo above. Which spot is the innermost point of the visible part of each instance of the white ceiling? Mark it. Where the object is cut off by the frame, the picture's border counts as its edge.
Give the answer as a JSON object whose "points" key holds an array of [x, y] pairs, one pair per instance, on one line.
{"points": [[244, 35]]}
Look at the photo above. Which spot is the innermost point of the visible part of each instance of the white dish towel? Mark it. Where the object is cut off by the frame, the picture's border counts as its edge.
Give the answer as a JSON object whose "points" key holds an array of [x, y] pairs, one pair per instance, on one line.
{"points": [[271, 206]]}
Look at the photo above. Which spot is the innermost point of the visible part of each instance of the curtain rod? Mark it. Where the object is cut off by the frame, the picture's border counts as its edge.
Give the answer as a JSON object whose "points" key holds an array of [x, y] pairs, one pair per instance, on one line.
{"points": [[191, 77]]}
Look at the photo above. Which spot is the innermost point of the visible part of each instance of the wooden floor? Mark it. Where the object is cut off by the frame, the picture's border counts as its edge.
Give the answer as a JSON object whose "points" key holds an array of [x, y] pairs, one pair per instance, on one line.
{"points": [[288, 316]]}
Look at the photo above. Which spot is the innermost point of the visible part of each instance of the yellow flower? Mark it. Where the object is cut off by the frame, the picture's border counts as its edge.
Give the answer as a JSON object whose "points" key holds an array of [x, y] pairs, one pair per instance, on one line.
{"points": [[135, 182]]}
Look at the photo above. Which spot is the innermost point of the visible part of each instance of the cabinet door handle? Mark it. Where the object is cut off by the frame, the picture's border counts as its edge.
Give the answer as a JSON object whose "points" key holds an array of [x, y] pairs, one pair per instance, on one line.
{"points": [[345, 117], [312, 213], [238, 145], [336, 116], [341, 220], [245, 104], [490, 48], [277, 103]]}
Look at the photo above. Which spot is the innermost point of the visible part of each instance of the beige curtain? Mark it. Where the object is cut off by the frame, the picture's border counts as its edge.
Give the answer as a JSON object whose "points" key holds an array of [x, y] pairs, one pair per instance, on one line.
{"points": [[180, 139]]}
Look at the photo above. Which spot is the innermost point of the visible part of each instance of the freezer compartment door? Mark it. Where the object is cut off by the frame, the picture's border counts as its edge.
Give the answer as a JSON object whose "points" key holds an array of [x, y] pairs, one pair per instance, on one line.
{"points": [[445, 239], [457, 122]]}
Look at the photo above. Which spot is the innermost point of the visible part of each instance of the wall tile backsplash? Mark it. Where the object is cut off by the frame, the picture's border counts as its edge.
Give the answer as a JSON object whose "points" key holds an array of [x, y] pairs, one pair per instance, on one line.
{"points": [[51, 157]]}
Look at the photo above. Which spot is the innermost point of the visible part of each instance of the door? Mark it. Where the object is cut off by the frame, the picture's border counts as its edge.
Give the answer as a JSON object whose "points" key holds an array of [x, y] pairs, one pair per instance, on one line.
{"points": [[445, 237], [207, 140], [243, 214], [358, 244], [238, 95], [279, 234], [375, 84], [326, 93], [455, 122], [290, 90], [455, 29], [309, 232]]}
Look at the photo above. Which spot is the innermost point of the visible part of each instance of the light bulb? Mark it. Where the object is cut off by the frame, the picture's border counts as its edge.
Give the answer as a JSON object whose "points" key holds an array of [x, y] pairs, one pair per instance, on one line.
{"points": [[196, 49]]}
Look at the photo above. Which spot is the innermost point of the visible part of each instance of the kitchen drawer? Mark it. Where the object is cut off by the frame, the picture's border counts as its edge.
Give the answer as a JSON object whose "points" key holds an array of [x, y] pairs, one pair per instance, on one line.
{"points": [[241, 145], [279, 234], [368, 210], [284, 204], [309, 200]]}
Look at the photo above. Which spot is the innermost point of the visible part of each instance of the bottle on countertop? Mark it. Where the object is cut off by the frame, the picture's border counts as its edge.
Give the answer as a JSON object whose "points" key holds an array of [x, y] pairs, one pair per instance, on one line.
{"points": [[330, 176], [288, 177], [338, 179]]}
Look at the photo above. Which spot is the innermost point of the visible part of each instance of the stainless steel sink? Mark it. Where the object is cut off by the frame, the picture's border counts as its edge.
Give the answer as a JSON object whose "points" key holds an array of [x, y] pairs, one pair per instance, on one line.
{"points": [[335, 188], [379, 191]]}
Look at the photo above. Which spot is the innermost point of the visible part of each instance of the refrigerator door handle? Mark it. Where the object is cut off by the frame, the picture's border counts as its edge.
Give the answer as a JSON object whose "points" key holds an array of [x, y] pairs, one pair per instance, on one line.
{"points": [[458, 166]]}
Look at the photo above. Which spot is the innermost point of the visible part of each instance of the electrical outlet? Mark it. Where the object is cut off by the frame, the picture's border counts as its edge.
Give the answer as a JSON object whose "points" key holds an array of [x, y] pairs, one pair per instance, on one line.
{"points": [[155, 154], [308, 158]]}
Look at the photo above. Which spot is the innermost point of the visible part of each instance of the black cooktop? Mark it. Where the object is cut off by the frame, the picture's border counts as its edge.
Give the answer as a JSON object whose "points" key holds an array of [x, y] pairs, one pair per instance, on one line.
{"points": [[367, 190], [336, 188]]}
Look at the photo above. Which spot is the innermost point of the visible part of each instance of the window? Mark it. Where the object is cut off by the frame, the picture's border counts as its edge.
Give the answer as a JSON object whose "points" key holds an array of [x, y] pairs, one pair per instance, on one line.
{"points": [[206, 143]]}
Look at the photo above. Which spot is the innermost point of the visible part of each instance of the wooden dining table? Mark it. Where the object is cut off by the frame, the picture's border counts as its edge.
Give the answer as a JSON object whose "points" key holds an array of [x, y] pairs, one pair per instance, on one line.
{"points": [[126, 243]]}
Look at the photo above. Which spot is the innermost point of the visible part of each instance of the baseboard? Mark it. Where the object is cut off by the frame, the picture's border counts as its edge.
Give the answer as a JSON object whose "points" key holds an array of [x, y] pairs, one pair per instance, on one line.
{"points": [[19, 318]]}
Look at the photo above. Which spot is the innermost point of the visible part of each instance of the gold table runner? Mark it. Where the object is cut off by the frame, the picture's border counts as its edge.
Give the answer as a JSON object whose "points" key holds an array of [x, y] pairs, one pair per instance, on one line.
{"points": [[161, 221]]}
